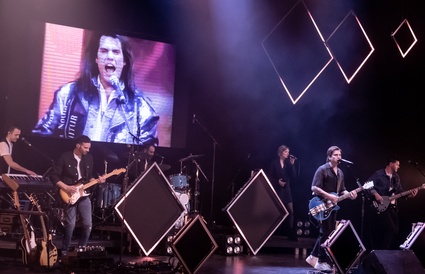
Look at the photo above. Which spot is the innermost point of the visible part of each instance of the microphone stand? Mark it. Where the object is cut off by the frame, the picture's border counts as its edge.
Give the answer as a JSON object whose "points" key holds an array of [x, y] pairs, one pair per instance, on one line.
{"points": [[52, 162], [215, 144], [362, 193], [124, 190], [196, 194]]}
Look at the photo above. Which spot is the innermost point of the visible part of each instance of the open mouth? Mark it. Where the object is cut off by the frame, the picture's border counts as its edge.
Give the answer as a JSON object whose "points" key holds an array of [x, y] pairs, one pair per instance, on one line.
{"points": [[110, 68]]}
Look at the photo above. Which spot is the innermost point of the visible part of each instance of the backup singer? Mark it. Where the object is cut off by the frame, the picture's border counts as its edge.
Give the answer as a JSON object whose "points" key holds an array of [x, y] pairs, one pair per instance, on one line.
{"points": [[282, 173], [71, 167], [103, 103], [6, 146], [327, 178]]}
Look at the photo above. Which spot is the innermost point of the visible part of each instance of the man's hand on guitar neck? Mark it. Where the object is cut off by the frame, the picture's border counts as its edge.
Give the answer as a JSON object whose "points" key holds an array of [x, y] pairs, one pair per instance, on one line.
{"points": [[102, 179], [414, 192]]}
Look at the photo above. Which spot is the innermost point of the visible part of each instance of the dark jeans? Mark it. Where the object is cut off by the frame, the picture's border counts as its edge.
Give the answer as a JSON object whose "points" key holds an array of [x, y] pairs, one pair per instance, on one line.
{"points": [[325, 229], [83, 208], [384, 229]]}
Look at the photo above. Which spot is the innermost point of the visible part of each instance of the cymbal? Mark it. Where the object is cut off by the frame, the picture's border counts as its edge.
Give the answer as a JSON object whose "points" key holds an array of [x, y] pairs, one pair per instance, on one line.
{"points": [[191, 157], [164, 167], [136, 155], [109, 155]]}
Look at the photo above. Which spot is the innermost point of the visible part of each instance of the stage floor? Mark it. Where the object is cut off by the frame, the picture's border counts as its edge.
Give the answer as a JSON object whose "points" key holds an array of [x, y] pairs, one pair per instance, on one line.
{"points": [[264, 263], [272, 258]]}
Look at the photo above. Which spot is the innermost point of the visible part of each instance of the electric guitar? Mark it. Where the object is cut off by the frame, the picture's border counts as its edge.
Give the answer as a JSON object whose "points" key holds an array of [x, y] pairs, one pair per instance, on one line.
{"points": [[72, 199], [28, 244], [321, 209], [48, 252], [381, 207]]}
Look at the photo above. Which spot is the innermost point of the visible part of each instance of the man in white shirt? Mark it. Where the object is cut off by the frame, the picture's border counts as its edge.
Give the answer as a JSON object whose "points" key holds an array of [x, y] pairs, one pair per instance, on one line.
{"points": [[6, 146]]}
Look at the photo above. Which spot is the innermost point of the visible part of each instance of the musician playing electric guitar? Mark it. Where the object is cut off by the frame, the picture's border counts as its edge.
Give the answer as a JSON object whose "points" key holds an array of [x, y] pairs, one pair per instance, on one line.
{"points": [[384, 225], [71, 167], [327, 179]]}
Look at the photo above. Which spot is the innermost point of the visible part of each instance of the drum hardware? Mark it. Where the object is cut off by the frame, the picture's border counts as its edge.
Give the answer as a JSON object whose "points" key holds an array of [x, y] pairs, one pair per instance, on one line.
{"points": [[196, 192]]}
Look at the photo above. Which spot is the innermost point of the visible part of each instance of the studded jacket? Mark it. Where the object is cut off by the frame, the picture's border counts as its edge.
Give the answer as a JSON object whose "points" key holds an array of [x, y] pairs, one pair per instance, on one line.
{"points": [[72, 114]]}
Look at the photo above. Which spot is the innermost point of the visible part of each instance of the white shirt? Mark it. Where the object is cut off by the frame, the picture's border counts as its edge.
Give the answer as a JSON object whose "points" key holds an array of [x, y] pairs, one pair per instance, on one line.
{"points": [[6, 150]]}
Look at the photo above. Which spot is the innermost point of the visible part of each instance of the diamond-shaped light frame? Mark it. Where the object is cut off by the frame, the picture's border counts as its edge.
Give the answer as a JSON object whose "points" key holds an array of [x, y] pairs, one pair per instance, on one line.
{"points": [[149, 209], [372, 49], [307, 85], [403, 54], [257, 211]]}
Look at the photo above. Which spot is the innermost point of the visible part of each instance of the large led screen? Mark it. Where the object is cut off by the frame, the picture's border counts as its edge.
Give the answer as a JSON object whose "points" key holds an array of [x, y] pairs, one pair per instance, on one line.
{"points": [[110, 87]]}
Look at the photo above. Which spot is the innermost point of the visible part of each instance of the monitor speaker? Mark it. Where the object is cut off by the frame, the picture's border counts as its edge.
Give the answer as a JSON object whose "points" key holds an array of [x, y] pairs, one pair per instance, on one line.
{"points": [[344, 246], [193, 244], [391, 262], [416, 241]]}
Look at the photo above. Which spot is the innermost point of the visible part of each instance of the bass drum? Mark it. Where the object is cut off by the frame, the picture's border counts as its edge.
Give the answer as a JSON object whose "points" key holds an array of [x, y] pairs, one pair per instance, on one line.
{"points": [[184, 198], [106, 195]]}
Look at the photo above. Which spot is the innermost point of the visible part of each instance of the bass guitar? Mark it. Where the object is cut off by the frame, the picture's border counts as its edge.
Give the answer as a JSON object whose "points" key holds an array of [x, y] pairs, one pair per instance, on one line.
{"points": [[72, 199], [381, 207], [48, 251], [321, 209]]}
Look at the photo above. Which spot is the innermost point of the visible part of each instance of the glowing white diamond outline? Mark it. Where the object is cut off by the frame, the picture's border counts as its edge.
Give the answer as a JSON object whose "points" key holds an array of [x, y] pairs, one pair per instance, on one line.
{"points": [[351, 12], [324, 43], [411, 32]]}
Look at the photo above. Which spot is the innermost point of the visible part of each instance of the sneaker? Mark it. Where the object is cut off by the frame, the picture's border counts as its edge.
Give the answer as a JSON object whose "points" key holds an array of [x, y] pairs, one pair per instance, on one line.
{"points": [[325, 267], [312, 260]]}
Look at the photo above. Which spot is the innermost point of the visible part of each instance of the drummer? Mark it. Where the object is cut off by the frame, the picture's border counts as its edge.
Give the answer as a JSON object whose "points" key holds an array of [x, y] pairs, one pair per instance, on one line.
{"points": [[149, 152]]}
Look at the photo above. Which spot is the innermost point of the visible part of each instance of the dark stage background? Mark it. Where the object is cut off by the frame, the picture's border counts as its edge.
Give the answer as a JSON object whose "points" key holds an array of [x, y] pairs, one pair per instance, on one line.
{"points": [[225, 79]]}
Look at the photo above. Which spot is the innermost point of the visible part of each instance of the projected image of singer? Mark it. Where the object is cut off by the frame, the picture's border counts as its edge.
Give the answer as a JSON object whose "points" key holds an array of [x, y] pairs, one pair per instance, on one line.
{"points": [[103, 102]]}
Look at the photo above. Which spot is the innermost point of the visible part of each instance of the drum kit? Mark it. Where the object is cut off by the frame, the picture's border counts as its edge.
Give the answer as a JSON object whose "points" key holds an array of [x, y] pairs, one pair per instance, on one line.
{"points": [[106, 195]]}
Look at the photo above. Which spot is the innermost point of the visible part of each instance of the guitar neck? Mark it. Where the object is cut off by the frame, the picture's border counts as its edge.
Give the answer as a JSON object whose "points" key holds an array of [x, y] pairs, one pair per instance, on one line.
{"points": [[24, 223], [95, 181], [405, 193], [43, 224], [91, 183], [346, 195]]}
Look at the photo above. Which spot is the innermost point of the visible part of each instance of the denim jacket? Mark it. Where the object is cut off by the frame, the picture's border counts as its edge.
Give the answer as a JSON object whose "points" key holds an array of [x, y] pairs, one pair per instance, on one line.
{"points": [[72, 114]]}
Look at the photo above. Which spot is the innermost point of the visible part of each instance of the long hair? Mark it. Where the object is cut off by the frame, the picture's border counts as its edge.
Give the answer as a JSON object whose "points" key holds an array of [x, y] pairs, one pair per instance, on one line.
{"points": [[89, 68]]}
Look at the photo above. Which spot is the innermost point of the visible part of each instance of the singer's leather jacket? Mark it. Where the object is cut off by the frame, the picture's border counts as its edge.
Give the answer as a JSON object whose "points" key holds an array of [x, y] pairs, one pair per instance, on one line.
{"points": [[72, 114]]}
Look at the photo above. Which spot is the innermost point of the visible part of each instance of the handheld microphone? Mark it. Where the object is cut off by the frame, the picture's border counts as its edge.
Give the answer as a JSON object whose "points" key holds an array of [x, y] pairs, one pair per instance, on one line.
{"points": [[25, 141], [116, 85], [346, 161], [413, 163], [193, 118], [292, 156]]}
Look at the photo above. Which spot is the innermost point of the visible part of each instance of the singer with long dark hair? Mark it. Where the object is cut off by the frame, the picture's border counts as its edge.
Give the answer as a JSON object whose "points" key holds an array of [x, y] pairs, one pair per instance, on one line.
{"points": [[103, 102], [282, 173]]}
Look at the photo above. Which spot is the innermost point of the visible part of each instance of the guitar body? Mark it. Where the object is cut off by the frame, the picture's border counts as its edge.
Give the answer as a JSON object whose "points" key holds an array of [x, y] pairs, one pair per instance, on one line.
{"points": [[72, 199], [48, 258], [321, 209], [29, 249], [47, 251], [381, 207]]}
